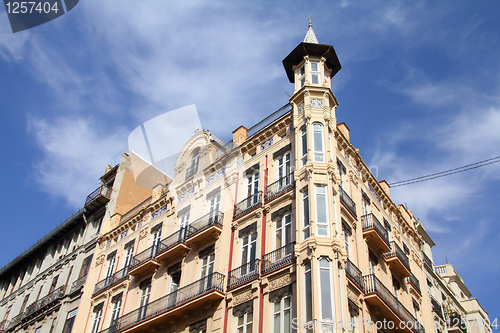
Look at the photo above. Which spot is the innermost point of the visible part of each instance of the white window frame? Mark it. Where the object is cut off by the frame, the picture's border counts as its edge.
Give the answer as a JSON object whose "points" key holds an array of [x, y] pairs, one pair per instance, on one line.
{"points": [[247, 320], [318, 139], [283, 167], [321, 193], [324, 264], [283, 228], [156, 237], [96, 321], [111, 266], [306, 218], [303, 145], [115, 312], [129, 253], [280, 314], [308, 298], [315, 74], [302, 75]]}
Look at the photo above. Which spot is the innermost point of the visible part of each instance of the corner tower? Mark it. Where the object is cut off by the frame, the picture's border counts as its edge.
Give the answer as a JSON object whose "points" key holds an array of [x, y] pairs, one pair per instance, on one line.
{"points": [[311, 66]]}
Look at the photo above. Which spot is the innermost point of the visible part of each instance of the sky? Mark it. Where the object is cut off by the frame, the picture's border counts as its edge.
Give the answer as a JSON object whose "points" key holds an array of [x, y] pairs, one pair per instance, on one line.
{"points": [[419, 90]]}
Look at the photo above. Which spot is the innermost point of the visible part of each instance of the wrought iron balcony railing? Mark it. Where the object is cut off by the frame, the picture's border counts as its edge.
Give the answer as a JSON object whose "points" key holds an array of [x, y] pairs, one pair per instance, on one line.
{"points": [[280, 186], [243, 274], [102, 190], [78, 284], [278, 258], [370, 221], [414, 282], [374, 285], [247, 204], [436, 307], [212, 282], [396, 251], [143, 256], [111, 280], [428, 261], [354, 273], [456, 321], [172, 240], [346, 199], [210, 219], [53, 297]]}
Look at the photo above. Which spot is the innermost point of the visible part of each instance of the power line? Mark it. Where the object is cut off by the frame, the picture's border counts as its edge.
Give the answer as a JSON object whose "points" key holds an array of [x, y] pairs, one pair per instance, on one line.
{"points": [[447, 172]]}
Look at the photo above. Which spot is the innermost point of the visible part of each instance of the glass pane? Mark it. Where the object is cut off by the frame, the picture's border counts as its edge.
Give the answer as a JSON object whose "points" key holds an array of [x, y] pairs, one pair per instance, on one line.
{"points": [[276, 323], [249, 328], [322, 230], [240, 320], [326, 292], [318, 141], [308, 295], [286, 319], [287, 302], [314, 66], [302, 70], [321, 208], [314, 79]]}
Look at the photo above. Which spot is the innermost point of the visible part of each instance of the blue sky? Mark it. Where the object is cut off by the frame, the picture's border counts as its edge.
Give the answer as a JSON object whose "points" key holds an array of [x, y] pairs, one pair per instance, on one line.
{"points": [[419, 89]]}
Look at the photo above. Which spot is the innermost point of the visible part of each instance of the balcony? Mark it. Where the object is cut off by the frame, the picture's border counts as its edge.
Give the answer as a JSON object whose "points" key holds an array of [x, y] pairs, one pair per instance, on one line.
{"points": [[456, 323], [243, 274], [377, 295], [98, 198], [111, 281], [428, 261], [247, 205], [13, 322], [204, 228], [373, 230], [398, 260], [185, 300], [78, 284], [354, 274], [347, 201], [144, 262], [414, 283], [436, 307], [172, 246], [45, 302], [278, 258], [283, 185]]}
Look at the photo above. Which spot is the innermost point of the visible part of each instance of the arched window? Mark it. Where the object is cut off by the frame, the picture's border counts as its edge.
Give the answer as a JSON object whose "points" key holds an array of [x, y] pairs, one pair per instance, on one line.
{"points": [[193, 167], [319, 147]]}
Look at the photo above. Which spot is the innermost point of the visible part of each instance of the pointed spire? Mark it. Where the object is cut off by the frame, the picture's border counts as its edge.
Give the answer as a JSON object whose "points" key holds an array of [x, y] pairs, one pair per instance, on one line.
{"points": [[310, 36]]}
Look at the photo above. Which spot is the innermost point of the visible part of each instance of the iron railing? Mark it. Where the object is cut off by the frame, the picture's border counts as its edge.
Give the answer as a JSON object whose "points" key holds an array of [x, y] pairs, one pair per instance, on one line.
{"points": [[53, 297], [278, 258], [172, 240], [287, 108], [436, 307], [191, 170], [280, 186], [373, 285], [111, 280], [354, 273], [370, 221], [102, 190], [348, 202], [212, 282], [243, 274], [78, 284], [210, 219], [14, 322], [428, 261], [456, 321], [414, 282], [396, 251], [247, 204], [143, 256]]}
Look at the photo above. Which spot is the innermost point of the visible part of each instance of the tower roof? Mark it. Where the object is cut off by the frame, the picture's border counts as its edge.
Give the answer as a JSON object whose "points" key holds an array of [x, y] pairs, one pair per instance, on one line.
{"points": [[310, 35]]}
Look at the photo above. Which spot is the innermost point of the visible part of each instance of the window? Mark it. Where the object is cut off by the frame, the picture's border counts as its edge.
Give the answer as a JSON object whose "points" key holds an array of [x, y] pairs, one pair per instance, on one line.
{"points": [[70, 320], [248, 252], [305, 207], [283, 231], [315, 74], [129, 253], [195, 159], [396, 285], [207, 258], [111, 264], [96, 321], [308, 291], [283, 169], [25, 301], [372, 262], [366, 206], [84, 271], [213, 206], [116, 302], [53, 284], [347, 232], [145, 290], [282, 315], [325, 289], [155, 237], [302, 75], [253, 187], [174, 274], [244, 323], [342, 173], [321, 210], [303, 145], [319, 151]]}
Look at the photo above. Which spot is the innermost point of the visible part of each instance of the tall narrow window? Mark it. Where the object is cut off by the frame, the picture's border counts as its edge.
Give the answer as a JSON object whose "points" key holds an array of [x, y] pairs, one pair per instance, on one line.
{"points": [[155, 238], [248, 252], [319, 150], [195, 160], [213, 206], [282, 315], [283, 169], [308, 292], [84, 271], [342, 173], [365, 203], [174, 281], [129, 253], [283, 231], [207, 258], [145, 290], [70, 320], [253, 187], [325, 289], [372, 262], [315, 74], [184, 219], [116, 302], [244, 323], [111, 265], [303, 145], [96, 320], [305, 208], [25, 301], [53, 284], [321, 210], [347, 231], [302, 75]]}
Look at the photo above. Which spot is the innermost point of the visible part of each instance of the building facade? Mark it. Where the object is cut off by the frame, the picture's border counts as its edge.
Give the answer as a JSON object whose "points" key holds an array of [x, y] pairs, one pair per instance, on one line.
{"points": [[41, 290], [282, 229]]}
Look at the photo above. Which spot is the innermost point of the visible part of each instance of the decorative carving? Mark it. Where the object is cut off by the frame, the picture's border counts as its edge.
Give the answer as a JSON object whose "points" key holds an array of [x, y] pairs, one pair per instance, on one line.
{"points": [[143, 233], [243, 309], [243, 296], [280, 281], [277, 295], [99, 260]]}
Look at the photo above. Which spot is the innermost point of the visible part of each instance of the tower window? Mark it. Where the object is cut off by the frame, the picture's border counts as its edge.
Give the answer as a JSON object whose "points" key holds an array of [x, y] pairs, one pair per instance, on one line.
{"points": [[315, 72], [302, 75], [319, 152]]}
